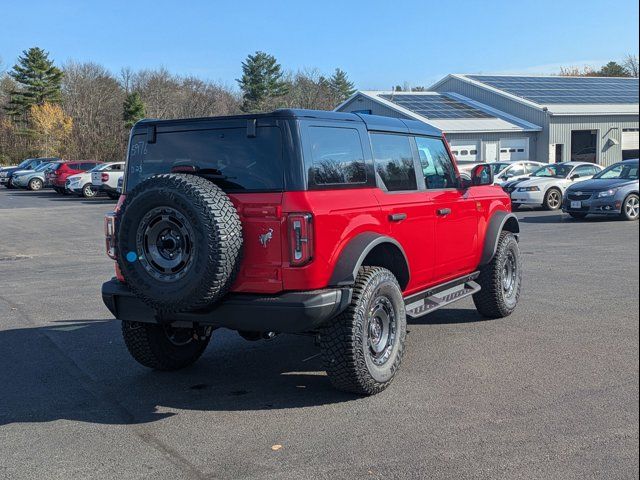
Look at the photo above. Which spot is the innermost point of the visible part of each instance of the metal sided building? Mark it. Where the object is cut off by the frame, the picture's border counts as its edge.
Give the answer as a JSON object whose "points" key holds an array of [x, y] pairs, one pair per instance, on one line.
{"points": [[508, 117]]}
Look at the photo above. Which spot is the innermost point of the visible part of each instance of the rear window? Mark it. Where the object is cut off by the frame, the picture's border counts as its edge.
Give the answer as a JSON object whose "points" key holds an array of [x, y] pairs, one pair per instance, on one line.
{"points": [[234, 161]]}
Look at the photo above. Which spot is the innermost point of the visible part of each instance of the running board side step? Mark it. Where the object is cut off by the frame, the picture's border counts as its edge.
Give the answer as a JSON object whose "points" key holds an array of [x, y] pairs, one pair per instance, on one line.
{"points": [[432, 299]]}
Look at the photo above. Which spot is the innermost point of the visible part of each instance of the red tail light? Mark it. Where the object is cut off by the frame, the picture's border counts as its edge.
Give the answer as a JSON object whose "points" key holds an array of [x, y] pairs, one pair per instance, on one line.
{"points": [[300, 238], [105, 177]]}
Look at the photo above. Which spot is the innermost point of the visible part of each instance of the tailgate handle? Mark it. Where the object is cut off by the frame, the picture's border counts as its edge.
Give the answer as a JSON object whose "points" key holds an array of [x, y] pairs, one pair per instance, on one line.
{"points": [[397, 217], [443, 212]]}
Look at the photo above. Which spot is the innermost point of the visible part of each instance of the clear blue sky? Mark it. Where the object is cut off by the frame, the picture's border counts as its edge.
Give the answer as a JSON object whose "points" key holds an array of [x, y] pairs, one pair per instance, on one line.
{"points": [[378, 43]]}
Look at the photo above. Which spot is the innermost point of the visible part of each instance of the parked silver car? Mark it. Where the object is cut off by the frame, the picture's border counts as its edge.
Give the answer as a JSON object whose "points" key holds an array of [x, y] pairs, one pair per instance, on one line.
{"points": [[33, 179], [547, 185]]}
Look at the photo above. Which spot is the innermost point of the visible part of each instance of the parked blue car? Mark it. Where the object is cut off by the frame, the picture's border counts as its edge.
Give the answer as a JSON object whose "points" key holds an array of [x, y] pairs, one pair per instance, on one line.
{"points": [[614, 191], [30, 164]]}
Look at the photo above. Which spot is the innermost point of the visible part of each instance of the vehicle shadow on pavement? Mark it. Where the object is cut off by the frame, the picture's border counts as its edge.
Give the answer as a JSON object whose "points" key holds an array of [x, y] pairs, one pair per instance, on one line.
{"points": [[56, 197], [81, 371]]}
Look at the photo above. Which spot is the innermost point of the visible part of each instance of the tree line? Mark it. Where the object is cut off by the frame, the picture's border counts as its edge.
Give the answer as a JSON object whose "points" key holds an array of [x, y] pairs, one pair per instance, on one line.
{"points": [[81, 110]]}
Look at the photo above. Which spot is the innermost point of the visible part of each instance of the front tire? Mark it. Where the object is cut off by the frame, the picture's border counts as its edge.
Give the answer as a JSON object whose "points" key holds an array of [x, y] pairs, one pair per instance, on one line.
{"points": [[35, 184], [362, 347], [162, 347], [552, 199], [88, 191], [501, 280], [630, 208]]}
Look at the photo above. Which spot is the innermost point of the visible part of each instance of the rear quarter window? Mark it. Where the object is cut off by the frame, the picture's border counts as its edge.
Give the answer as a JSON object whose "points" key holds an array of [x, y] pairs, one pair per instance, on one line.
{"points": [[233, 160], [337, 157]]}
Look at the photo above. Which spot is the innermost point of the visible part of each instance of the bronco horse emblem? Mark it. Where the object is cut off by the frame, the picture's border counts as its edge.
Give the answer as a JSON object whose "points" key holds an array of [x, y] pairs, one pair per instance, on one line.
{"points": [[265, 238]]}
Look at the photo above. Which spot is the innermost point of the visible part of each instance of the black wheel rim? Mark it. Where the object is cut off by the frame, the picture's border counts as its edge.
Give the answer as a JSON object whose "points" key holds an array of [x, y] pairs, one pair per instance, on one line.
{"points": [[165, 239], [510, 275], [178, 336], [632, 207], [380, 330]]}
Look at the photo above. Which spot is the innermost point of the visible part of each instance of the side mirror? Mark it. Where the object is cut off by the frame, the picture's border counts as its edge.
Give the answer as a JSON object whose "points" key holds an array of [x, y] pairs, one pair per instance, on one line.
{"points": [[575, 177], [481, 175]]}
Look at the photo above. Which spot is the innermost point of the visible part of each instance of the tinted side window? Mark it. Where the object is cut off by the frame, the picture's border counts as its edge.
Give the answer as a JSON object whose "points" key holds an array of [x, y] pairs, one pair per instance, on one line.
{"points": [[336, 156], [436, 165], [394, 161]]}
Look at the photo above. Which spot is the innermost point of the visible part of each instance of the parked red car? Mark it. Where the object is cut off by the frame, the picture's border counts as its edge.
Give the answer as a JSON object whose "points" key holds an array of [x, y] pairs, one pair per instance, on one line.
{"points": [[58, 177]]}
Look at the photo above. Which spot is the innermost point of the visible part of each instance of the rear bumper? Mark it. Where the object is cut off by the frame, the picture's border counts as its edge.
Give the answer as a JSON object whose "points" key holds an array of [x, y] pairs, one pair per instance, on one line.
{"points": [[289, 312]]}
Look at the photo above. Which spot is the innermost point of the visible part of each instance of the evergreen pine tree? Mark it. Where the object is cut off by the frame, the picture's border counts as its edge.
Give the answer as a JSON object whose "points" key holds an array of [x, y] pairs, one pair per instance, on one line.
{"points": [[133, 109], [262, 81], [613, 69], [340, 85], [38, 81]]}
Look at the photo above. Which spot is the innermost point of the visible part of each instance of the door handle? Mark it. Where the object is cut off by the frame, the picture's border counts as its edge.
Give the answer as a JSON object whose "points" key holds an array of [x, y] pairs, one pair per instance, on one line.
{"points": [[397, 217], [443, 212]]}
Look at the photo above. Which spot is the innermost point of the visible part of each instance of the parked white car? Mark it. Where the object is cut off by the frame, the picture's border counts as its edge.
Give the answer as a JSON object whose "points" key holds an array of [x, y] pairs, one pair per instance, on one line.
{"points": [[505, 171], [547, 185], [106, 180], [80, 183]]}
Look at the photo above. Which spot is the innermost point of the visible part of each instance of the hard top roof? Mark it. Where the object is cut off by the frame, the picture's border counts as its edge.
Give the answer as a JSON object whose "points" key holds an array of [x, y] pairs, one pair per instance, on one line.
{"points": [[372, 122]]}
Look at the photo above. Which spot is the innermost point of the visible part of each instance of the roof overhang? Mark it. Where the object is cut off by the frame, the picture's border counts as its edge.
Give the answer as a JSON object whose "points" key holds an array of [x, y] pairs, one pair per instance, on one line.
{"points": [[501, 123]]}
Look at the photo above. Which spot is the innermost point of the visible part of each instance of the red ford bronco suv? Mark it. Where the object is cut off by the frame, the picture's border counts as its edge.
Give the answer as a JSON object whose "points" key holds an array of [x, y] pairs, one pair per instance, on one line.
{"points": [[296, 221]]}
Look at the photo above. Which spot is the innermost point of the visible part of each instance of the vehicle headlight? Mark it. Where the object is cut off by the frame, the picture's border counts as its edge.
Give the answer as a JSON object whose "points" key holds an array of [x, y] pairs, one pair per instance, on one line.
{"points": [[608, 193], [529, 189]]}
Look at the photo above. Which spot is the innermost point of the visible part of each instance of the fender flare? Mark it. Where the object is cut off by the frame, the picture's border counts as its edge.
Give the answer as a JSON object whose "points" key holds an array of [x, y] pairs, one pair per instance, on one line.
{"points": [[354, 253], [500, 221]]}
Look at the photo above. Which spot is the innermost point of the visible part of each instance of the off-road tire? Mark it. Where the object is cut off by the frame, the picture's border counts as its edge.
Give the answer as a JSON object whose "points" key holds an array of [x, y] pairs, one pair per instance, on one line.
{"points": [[492, 301], [344, 341], [149, 345], [215, 244], [578, 215], [625, 212], [549, 202], [35, 184]]}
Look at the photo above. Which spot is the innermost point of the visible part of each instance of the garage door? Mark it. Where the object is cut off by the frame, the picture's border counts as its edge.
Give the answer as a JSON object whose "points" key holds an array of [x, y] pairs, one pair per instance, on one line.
{"points": [[465, 151], [630, 139], [514, 149]]}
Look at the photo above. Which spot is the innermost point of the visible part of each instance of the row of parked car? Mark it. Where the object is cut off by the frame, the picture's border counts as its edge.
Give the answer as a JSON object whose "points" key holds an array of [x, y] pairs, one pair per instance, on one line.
{"points": [[578, 188], [86, 178]]}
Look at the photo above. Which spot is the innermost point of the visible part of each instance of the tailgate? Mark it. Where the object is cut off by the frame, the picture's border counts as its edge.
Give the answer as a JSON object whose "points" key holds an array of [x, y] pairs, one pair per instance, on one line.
{"points": [[262, 230]]}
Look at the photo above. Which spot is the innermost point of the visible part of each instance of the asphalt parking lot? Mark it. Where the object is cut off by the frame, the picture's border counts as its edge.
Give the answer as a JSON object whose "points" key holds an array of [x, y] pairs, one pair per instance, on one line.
{"points": [[551, 392]]}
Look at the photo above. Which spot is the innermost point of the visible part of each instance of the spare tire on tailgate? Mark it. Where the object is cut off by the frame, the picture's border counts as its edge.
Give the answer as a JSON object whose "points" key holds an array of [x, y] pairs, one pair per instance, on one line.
{"points": [[179, 242]]}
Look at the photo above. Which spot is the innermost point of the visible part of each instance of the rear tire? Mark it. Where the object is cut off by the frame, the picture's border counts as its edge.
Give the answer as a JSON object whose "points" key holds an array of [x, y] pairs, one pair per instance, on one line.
{"points": [[552, 199], [162, 347], [35, 184], [630, 208], [501, 280], [362, 347], [578, 215]]}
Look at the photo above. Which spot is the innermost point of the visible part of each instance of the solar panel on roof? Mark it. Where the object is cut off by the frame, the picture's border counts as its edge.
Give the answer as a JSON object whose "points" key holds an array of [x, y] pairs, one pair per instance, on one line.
{"points": [[566, 90], [436, 106]]}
